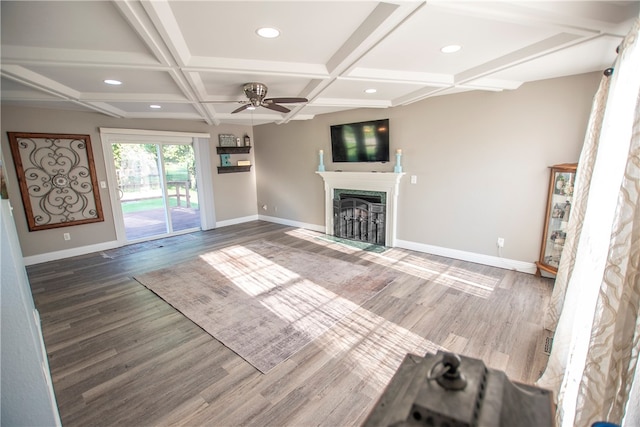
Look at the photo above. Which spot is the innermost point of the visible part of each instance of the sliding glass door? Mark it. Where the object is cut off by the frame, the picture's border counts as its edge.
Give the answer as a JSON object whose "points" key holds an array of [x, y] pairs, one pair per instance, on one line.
{"points": [[157, 189]]}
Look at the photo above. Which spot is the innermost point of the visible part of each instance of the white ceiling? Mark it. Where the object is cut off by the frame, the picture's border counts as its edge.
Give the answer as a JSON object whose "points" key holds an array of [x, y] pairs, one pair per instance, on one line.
{"points": [[193, 57]]}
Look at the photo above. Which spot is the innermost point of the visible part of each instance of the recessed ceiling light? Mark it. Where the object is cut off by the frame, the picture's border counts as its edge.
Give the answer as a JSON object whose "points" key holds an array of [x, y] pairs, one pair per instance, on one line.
{"points": [[268, 32], [113, 82], [155, 106], [371, 90], [452, 48]]}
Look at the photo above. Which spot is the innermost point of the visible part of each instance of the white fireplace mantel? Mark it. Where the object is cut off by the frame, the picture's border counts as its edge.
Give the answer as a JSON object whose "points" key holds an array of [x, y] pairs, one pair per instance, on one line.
{"points": [[387, 182]]}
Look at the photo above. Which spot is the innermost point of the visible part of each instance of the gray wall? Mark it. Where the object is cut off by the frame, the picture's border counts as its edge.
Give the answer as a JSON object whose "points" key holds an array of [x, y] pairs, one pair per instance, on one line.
{"points": [[27, 397], [480, 158], [235, 194]]}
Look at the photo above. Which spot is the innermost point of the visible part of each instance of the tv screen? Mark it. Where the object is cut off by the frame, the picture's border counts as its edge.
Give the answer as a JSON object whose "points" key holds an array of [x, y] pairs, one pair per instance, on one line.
{"points": [[360, 142]]}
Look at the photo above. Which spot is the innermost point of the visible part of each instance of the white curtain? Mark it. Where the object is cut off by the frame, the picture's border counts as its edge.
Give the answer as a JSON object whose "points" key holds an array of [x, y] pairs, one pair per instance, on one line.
{"points": [[595, 303]]}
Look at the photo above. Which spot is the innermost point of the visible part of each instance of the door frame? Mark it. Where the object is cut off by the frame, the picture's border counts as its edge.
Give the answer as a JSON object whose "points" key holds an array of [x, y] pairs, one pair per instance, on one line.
{"points": [[199, 142]]}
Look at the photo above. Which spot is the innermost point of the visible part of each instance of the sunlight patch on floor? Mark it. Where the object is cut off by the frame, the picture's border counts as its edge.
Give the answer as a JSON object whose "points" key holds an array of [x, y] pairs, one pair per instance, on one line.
{"points": [[304, 305], [310, 236], [308, 307], [471, 282], [249, 271], [372, 346]]}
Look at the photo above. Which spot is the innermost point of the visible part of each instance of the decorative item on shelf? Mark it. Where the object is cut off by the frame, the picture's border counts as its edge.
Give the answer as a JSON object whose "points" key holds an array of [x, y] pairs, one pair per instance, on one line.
{"points": [[227, 140], [225, 159], [238, 142], [321, 164], [244, 162], [560, 184], [567, 210], [558, 211], [398, 167], [247, 140]]}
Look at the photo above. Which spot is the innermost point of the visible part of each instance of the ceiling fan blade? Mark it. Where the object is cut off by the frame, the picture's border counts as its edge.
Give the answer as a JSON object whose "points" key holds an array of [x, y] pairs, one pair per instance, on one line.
{"points": [[276, 107], [244, 107], [286, 100], [225, 102]]}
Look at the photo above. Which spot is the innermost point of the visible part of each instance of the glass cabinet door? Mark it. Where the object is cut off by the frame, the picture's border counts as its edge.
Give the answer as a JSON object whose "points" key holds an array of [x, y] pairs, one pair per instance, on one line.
{"points": [[559, 203]]}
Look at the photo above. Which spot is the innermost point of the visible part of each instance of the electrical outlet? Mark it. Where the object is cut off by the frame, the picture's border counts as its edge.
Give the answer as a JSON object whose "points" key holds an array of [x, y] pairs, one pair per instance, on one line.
{"points": [[501, 242], [414, 179], [67, 236]]}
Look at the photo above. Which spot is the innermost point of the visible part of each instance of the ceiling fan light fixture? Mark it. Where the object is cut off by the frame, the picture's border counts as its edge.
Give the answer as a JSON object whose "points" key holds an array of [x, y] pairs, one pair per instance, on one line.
{"points": [[112, 82], [256, 93], [268, 32], [452, 48], [370, 90]]}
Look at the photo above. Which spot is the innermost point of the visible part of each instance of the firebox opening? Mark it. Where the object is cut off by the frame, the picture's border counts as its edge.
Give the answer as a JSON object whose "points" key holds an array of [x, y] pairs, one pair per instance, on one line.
{"points": [[360, 216], [371, 198]]}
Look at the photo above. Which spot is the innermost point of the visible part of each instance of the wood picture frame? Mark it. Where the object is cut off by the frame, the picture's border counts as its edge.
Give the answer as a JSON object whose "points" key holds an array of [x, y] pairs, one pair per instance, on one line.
{"points": [[57, 179]]}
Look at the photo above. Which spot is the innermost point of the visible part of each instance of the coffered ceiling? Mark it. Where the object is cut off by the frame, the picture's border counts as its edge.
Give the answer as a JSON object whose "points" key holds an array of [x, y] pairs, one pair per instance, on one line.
{"points": [[191, 58]]}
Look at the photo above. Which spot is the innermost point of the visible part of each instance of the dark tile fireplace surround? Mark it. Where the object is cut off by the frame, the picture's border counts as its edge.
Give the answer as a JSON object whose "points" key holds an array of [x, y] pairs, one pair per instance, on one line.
{"points": [[362, 205]]}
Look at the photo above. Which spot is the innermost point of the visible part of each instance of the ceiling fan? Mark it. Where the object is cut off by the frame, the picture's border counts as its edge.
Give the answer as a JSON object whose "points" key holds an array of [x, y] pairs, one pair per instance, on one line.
{"points": [[256, 93]]}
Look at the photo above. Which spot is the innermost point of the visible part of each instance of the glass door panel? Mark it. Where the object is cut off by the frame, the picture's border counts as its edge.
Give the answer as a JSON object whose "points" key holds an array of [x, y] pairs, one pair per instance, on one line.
{"points": [[156, 183], [182, 193]]}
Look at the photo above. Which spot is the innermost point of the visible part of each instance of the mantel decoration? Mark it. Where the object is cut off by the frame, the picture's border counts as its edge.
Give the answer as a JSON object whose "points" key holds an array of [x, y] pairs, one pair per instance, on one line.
{"points": [[398, 167], [57, 179]]}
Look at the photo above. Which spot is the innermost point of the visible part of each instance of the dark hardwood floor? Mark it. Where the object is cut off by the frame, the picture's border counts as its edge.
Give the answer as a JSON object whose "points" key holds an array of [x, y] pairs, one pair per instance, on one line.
{"points": [[119, 355]]}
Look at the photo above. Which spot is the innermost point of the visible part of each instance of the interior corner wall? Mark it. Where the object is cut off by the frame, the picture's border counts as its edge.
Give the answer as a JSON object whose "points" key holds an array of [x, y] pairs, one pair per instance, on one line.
{"points": [[480, 160], [27, 397], [235, 193]]}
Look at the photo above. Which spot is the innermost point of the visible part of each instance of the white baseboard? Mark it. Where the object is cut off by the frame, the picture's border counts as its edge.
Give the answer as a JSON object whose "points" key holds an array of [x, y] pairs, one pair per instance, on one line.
{"points": [[314, 227], [83, 250], [68, 253], [235, 221], [494, 261]]}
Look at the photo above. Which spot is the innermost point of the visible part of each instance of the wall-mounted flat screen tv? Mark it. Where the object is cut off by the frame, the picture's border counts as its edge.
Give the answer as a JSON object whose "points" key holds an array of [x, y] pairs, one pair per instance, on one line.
{"points": [[360, 142]]}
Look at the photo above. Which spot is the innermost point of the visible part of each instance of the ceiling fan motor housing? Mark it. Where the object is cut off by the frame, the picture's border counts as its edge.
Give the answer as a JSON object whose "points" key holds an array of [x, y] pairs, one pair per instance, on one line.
{"points": [[255, 92]]}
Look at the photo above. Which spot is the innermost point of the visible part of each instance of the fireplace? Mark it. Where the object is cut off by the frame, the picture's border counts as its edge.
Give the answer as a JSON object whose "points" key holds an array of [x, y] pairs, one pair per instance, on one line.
{"points": [[364, 215], [359, 215]]}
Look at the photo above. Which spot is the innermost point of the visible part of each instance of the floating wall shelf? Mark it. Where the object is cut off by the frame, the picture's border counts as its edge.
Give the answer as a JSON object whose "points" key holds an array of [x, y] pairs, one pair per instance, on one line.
{"points": [[232, 169], [233, 150]]}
